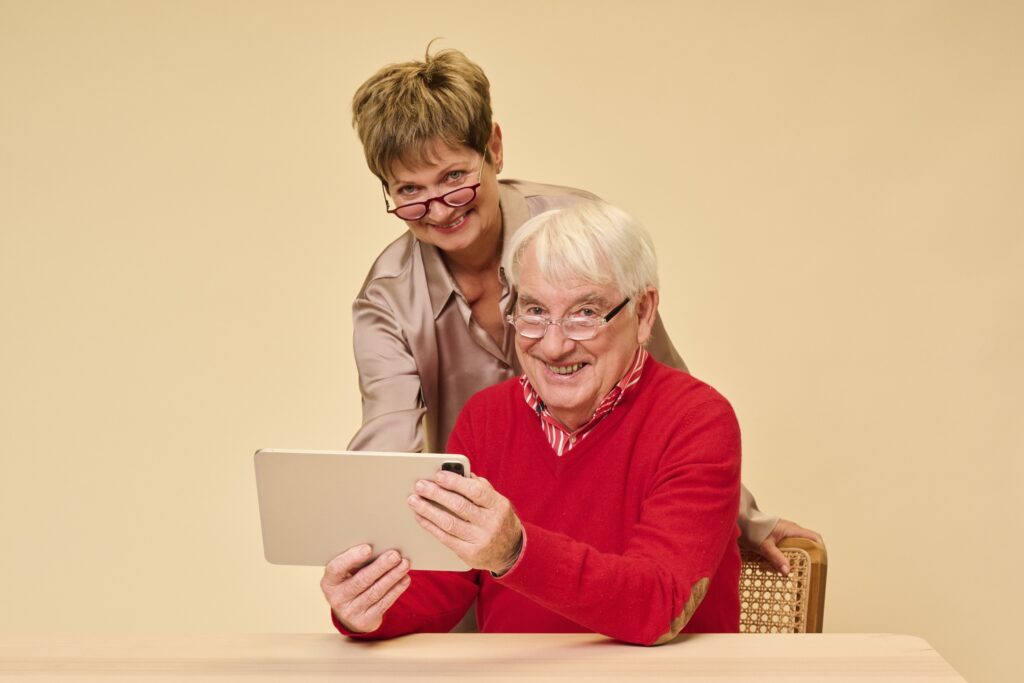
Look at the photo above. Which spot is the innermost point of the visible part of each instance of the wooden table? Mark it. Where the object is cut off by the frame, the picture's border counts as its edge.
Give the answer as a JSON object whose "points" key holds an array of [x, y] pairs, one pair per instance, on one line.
{"points": [[489, 658]]}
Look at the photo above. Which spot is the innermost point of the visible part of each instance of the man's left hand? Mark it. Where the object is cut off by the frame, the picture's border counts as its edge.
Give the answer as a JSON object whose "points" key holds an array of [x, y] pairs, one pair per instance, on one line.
{"points": [[784, 529], [478, 524]]}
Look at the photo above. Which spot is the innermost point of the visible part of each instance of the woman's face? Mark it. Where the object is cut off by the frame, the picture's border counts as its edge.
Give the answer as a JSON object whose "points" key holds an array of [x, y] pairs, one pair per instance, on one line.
{"points": [[463, 230]]}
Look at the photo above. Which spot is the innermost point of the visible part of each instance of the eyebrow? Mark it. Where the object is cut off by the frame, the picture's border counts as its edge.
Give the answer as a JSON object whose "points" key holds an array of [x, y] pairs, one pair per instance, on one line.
{"points": [[444, 170], [588, 297]]}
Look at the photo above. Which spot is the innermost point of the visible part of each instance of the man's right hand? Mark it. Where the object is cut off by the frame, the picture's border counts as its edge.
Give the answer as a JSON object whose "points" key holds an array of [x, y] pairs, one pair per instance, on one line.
{"points": [[361, 593]]}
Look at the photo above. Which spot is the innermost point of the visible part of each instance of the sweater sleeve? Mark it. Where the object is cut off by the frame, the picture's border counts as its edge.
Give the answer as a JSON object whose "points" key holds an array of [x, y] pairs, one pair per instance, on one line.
{"points": [[434, 602], [688, 519]]}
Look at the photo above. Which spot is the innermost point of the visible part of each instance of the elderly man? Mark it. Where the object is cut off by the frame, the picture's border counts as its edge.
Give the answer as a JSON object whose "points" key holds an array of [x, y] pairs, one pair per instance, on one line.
{"points": [[606, 484]]}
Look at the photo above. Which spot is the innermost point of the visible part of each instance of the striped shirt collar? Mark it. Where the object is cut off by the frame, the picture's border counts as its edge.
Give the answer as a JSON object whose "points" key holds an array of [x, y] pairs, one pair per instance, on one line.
{"points": [[561, 439]]}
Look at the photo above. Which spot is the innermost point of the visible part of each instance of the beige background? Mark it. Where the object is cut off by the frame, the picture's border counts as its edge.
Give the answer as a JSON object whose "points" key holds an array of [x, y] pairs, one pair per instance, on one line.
{"points": [[834, 188]]}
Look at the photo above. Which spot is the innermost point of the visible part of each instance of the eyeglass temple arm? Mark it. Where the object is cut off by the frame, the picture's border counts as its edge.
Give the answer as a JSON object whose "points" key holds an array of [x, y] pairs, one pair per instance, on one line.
{"points": [[614, 311]]}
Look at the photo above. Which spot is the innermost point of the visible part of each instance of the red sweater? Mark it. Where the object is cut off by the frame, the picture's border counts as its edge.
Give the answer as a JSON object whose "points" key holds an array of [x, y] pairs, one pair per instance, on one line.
{"points": [[622, 532]]}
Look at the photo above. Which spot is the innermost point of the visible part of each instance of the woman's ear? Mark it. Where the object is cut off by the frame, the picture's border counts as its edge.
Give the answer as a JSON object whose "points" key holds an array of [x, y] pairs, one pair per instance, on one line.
{"points": [[496, 149]]}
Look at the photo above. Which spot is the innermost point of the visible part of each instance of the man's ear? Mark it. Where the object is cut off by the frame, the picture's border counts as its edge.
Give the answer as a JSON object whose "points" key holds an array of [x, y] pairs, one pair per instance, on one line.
{"points": [[494, 146], [646, 312]]}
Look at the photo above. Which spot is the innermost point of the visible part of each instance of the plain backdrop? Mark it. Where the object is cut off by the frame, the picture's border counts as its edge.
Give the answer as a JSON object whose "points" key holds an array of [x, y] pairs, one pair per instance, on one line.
{"points": [[834, 189]]}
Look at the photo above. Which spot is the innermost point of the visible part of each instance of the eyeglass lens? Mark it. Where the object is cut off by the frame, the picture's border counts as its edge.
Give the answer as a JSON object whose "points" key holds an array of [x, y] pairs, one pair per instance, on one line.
{"points": [[577, 330], [455, 198]]}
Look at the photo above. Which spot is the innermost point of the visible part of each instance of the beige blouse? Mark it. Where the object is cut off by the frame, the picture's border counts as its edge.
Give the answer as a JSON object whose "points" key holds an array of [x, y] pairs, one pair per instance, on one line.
{"points": [[421, 355]]}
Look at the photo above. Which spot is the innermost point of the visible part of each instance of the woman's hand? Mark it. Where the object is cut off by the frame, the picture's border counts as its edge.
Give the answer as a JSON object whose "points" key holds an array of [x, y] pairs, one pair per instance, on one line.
{"points": [[784, 529]]}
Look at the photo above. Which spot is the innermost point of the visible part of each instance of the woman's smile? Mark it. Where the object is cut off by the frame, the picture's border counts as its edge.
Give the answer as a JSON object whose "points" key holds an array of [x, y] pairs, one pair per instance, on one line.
{"points": [[451, 226]]}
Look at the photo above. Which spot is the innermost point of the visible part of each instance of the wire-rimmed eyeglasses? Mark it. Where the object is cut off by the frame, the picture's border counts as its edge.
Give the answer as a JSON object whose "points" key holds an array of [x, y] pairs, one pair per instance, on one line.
{"points": [[460, 196], [575, 327]]}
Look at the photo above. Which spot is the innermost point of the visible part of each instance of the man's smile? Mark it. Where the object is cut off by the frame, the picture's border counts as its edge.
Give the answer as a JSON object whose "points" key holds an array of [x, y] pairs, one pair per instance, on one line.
{"points": [[565, 370]]}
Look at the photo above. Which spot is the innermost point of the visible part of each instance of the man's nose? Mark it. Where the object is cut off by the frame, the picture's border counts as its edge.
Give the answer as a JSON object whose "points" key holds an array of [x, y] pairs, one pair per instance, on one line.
{"points": [[554, 343]]}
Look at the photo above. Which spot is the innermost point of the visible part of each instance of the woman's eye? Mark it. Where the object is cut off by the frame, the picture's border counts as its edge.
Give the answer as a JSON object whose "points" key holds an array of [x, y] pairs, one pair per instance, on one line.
{"points": [[587, 313], [407, 190], [456, 176], [533, 310]]}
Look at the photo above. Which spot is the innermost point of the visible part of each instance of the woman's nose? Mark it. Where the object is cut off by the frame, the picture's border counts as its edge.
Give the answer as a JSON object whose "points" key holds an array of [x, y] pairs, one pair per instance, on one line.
{"points": [[439, 212]]}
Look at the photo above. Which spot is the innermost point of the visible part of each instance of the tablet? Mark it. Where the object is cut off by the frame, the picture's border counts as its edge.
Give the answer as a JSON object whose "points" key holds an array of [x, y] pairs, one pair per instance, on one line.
{"points": [[316, 504]]}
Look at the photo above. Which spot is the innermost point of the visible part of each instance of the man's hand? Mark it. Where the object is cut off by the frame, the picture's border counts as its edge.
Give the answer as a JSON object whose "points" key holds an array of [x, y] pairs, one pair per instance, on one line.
{"points": [[360, 595], [479, 524], [784, 529]]}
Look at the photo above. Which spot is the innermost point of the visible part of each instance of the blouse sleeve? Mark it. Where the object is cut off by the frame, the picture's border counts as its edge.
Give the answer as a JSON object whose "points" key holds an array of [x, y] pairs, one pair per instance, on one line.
{"points": [[754, 524], [393, 406]]}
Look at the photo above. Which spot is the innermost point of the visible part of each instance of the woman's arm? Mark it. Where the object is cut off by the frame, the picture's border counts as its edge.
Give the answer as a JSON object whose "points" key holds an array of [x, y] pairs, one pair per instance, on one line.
{"points": [[389, 380], [759, 531]]}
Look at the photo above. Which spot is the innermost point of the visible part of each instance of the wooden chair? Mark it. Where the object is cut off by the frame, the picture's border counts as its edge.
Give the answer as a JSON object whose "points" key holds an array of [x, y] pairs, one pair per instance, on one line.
{"points": [[773, 603]]}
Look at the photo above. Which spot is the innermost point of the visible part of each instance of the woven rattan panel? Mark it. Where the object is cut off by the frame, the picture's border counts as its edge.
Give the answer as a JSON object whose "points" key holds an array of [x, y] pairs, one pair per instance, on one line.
{"points": [[771, 602]]}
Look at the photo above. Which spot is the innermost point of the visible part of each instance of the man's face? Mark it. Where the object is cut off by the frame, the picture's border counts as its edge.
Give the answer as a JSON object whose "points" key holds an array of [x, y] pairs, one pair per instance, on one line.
{"points": [[572, 377]]}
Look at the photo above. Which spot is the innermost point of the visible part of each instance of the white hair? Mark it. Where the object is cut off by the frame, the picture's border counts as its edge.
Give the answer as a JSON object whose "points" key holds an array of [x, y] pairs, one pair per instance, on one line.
{"points": [[591, 241]]}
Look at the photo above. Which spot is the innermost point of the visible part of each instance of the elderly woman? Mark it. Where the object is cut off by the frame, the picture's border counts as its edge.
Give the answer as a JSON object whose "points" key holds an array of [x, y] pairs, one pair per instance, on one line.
{"points": [[428, 324]]}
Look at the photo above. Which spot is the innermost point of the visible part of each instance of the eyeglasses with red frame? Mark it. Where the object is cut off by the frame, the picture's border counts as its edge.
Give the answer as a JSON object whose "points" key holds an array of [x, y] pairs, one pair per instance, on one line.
{"points": [[460, 196]]}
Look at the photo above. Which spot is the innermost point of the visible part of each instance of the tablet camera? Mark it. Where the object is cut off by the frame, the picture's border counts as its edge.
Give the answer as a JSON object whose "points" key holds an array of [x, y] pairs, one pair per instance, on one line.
{"points": [[455, 467]]}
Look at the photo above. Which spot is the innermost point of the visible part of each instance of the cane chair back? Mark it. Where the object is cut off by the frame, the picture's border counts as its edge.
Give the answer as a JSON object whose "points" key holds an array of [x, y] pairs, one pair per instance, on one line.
{"points": [[773, 603]]}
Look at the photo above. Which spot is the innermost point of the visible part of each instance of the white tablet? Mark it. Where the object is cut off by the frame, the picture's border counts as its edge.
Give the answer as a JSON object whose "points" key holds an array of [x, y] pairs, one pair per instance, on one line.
{"points": [[316, 504]]}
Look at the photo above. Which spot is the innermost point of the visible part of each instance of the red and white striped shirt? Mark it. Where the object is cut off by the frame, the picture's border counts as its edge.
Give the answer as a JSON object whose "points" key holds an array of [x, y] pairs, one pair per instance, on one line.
{"points": [[561, 439]]}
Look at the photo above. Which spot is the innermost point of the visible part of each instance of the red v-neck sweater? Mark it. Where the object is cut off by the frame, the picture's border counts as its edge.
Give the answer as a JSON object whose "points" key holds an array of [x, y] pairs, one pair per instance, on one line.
{"points": [[623, 533]]}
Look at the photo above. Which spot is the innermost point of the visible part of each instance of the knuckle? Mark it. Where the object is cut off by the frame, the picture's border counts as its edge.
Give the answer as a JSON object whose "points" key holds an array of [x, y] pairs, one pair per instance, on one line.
{"points": [[331, 575], [359, 586], [388, 600], [460, 506], [375, 593], [392, 597], [375, 615], [345, 613], [366, 578]]}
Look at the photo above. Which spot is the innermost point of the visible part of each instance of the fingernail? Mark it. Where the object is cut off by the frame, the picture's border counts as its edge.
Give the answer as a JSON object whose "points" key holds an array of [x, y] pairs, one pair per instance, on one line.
{"points": [[364, 550], [785, 569], [421, 485], [412, 500], [392, 556]]}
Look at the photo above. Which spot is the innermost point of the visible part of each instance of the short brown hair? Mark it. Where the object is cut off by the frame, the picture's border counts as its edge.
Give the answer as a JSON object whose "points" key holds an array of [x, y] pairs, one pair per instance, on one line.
{"points": [[404, 106]]}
